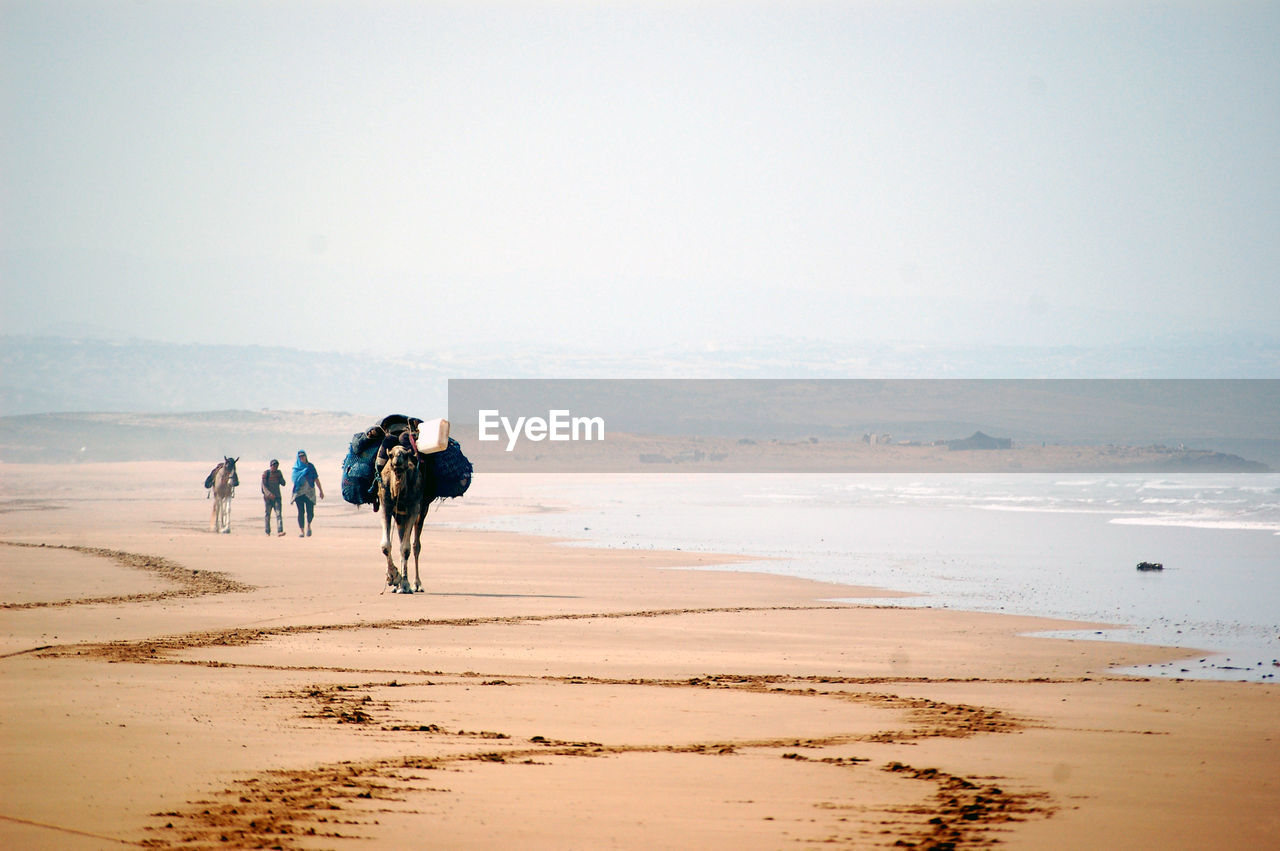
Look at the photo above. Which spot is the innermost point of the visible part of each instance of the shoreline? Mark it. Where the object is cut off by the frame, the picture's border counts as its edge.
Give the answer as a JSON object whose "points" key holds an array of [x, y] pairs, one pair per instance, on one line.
{"points": [[1214, 649], [539, 692]]}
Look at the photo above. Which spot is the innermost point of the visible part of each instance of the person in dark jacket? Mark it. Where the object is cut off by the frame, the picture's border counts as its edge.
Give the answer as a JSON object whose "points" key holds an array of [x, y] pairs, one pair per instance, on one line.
{"points": [[272, 479]]}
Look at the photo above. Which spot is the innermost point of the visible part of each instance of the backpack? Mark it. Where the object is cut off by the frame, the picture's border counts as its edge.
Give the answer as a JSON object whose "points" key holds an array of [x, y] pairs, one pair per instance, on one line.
{"points": [[452, 471], [358, 469]]}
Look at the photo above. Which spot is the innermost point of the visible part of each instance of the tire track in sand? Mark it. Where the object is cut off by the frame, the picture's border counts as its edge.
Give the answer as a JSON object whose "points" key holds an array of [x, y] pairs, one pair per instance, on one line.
{"points": [[190, 583]]}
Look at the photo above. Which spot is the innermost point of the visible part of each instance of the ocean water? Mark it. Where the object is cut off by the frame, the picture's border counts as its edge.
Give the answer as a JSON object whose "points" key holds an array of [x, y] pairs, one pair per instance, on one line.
{"points": [[1061, 546]]}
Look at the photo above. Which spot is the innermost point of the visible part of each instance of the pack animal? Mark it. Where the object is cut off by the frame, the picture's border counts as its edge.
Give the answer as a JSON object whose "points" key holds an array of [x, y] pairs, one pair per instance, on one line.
{"points": [[405, 493], [222, 487]]}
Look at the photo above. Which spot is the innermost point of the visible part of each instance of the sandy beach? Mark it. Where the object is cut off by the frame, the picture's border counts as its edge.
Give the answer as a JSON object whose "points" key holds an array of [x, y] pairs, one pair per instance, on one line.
{"points": [[168, 687]]}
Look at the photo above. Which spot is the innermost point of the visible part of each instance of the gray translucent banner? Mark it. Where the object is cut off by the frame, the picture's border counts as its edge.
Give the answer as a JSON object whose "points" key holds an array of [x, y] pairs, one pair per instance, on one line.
{"points": [[864, 425]]}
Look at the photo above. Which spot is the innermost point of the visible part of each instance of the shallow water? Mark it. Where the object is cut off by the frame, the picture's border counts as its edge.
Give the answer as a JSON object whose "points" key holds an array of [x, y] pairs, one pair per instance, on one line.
{"points": [[1057, 546]]}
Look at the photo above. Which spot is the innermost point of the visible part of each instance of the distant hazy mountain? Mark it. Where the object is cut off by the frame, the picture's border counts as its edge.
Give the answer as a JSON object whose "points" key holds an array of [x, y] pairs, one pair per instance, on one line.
{"points": [[43, 374], [47, 374], [188, 436], [247, 387]]}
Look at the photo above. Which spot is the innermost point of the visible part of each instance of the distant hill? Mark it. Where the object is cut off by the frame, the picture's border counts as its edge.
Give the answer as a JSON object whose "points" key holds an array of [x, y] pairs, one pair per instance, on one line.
{"points": [[46, 374], [1225, 416], [264, 434], [41, 374], [260, 435], [978, 440], [637, 453], [257, 435], [264, 398]]}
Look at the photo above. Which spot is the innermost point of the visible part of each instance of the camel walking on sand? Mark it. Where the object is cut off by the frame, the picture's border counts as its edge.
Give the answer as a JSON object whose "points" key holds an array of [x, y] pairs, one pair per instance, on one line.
{"points": [[404, 497], [222, 486]]}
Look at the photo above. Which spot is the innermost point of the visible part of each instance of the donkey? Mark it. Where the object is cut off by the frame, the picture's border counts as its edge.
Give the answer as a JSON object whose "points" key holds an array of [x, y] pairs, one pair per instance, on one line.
{"points": [[405, 496], [223, 488]]}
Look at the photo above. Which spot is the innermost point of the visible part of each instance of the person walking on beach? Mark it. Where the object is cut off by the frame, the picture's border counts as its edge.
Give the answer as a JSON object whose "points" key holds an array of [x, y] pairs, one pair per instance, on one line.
{"points": [[306, 484], [272, 479]]}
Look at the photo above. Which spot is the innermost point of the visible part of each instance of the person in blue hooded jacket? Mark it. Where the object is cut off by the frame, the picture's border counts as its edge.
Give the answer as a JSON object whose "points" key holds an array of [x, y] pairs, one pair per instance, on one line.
{"points": [[306, 485]]}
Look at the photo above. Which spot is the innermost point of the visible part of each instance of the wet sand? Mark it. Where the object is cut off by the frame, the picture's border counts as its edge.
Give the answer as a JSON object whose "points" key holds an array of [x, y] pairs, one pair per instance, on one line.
{"points": [[169, 687]]}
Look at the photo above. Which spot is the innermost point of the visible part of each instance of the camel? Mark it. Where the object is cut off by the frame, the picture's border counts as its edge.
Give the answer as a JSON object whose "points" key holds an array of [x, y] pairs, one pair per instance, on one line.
{"points": [[222, 488], [404, 497]]}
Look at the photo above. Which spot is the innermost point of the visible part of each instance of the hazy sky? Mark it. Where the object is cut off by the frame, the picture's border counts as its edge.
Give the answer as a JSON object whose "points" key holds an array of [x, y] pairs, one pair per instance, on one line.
{"points": [[438, 175]]}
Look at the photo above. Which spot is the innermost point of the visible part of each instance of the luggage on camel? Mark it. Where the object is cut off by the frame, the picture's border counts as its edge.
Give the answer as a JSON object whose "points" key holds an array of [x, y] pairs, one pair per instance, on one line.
{"points": [[453, 471], [429, 436], [432, 436], [358, 470], [213, 474], [443, 456]]}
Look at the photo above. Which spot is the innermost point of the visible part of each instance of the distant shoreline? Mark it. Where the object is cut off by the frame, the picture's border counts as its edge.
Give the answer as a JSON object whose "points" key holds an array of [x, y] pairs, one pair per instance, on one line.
{"points": [[78, 437], [628, 453]]}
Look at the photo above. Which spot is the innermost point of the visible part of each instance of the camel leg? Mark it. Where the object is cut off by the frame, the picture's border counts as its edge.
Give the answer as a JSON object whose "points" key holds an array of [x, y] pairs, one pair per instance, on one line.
{"points": [[213, 516], [404, 528], [393, 576], [417, 548]]}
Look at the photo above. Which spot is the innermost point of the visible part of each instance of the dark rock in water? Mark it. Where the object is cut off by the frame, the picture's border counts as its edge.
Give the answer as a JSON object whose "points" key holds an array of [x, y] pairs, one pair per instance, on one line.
{"points": [[1150, 565]]}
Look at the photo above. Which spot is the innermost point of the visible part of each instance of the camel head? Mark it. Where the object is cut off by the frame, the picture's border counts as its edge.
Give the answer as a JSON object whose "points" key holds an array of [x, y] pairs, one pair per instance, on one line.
{"points": [[400, 476]]}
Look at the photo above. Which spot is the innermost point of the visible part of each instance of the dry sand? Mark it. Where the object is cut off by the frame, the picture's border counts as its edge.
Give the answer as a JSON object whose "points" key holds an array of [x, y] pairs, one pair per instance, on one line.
{"points": [[168, 687]]}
